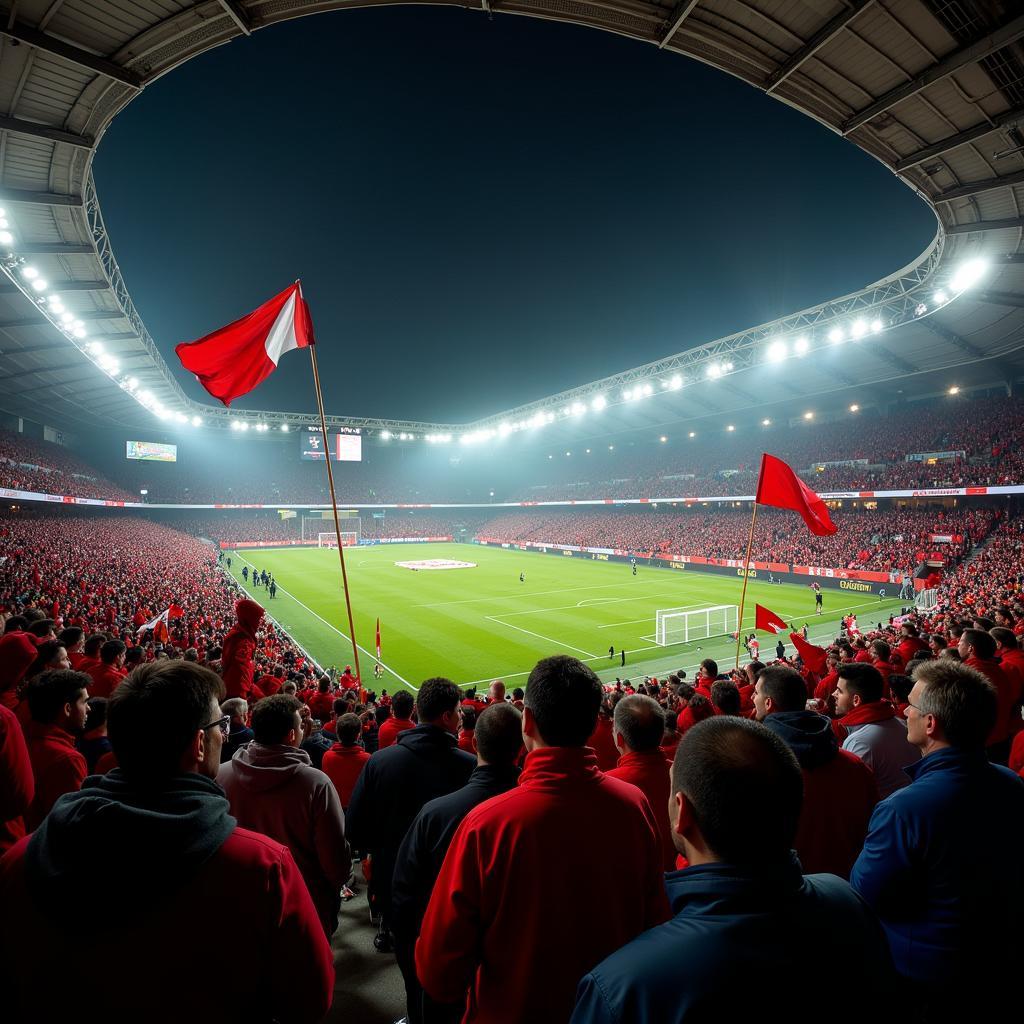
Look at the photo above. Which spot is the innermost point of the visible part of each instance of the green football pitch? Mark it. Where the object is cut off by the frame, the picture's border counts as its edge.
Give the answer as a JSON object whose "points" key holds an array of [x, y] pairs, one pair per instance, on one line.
{"points": [[481, 623]]}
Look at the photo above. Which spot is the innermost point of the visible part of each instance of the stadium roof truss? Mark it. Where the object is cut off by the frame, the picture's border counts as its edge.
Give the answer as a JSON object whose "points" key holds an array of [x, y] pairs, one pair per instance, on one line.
{"points": [[933, 90]]}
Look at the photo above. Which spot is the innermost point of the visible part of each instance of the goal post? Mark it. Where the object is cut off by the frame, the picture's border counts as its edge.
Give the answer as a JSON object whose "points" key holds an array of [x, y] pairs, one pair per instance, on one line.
{"points": [[683, 625], [349, 539]]}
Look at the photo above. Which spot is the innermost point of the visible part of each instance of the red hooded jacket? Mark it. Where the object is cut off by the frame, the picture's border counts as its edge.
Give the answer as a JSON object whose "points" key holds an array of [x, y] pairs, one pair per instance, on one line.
{"points": [[56, 766], [17, 786], [603, 744], [1007, 695], [343, 766], [17, 652], [105, 679], [562, 836], [649, 773], [239, 645]]}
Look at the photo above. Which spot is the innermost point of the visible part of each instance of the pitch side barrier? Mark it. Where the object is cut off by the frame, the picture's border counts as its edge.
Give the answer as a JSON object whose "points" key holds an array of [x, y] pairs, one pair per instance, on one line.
{"points": [[857, 581], [937, 492], [364, 542]]}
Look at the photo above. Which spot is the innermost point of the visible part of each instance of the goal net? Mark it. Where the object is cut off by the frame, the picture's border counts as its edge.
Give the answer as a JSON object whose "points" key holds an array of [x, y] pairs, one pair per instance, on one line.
{"points": [[682, 625], [349, 539]]}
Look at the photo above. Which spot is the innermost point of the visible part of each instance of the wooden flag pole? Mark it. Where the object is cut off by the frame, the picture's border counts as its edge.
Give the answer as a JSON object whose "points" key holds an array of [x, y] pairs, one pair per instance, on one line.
{"points": [[746, 576], [334, 506]]}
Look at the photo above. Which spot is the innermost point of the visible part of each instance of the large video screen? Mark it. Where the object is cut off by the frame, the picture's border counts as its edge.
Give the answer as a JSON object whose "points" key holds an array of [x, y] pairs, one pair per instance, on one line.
{"points": [[152, 451], [344, 444]]}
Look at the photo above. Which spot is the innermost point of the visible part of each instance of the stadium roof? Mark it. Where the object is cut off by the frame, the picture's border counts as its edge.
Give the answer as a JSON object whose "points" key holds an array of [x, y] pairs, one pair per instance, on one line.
{"points": [[935, 91]]}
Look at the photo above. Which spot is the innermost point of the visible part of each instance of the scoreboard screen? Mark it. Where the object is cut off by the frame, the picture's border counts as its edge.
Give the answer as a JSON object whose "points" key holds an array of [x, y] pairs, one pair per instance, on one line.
{"points": [[344, 445], [151, 451]]}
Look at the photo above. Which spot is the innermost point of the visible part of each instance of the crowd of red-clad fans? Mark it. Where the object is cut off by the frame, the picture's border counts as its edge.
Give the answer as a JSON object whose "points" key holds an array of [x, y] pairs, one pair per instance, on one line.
{"points": [[658, 850], [983, 439]]}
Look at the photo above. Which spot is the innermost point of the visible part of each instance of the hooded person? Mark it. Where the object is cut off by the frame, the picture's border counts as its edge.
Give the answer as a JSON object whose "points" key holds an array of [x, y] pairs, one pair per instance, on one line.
{"points": [[184, 872], [239, 647], [839, 789], [17, 784], [17, 651], [273, 788]]}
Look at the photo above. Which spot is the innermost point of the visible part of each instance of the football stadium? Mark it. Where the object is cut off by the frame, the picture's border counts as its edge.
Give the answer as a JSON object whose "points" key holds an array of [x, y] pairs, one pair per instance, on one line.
{"points": [[473, 548]]}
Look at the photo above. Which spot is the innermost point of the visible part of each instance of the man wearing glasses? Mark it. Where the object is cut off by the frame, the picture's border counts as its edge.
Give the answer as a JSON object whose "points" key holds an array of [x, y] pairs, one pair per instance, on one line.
{"points": [[183, 887], [943, 862]]}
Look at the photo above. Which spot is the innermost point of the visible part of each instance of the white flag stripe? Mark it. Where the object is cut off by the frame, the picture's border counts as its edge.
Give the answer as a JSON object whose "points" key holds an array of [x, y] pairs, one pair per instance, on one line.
{"points": [[162, 617], [281, 337]]}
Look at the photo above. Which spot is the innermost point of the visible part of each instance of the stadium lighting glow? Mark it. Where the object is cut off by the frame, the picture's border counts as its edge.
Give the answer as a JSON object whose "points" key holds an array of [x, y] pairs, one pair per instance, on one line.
{"points": [[940, 297], [39, 284], [6, 238], [858, 330], [4, 224], [588, 451], [29, 273], [235, 425], [766, 423], [143, 492], [968, 274], [385, 435], [777, 351], [954, 390], [285, 428], [181, 417], [132, 383], [801, 346], [197, 421], [836, 335], [578, 408], [693, 433], [808, 415], [95, 348], [551, 456], [611, 447], [663, 439], [730, 428], [403, 437], [568, 454], [598, 403], [56, 306], [674, 383], [67, 317], [244, 425], [854, 407], [714, 371], [876, 326], [79, 332]]}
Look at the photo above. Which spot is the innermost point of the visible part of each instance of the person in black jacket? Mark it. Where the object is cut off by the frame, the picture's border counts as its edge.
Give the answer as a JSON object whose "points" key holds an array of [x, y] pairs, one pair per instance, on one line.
{"points": [[397, 781], [499, 741]]}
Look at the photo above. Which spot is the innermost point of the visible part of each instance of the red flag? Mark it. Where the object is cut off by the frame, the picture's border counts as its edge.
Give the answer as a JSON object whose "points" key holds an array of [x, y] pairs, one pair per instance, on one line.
{"points": [[767, 621], [812, 655], [780, 487], [231, 361], [378, 638], [175, 612]]}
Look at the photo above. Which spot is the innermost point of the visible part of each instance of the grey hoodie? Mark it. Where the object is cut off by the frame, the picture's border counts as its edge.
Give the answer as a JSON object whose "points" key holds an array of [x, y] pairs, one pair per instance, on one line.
{"points": [[275, 790]]}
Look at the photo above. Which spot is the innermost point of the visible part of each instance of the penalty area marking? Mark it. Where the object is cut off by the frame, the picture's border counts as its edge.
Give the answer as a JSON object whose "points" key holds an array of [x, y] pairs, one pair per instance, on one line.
{"points": [[344, 636], [540, 636]]}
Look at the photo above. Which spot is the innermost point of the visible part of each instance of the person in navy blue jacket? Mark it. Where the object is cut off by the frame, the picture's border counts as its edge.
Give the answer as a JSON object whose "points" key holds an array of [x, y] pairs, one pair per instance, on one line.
{"points": [[943, 862], [752, 937]]}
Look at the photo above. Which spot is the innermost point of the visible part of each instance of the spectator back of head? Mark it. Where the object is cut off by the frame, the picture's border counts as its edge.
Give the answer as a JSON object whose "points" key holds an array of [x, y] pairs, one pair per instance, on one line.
{"points": [[640, 722], [725, 695], [563, 695], [349, 729], [785, 686], [273, 718], [745, 787], [154, 715], [436, 697], [401, 704], [48, 694], [961, 698], [499, 734]]}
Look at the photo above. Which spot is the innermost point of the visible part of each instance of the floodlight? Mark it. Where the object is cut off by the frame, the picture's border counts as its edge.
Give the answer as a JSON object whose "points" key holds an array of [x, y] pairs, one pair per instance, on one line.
{"points": [[598, 403], [766, 423], [663, 439], [675, 382], [578, 408], [777, 351], [647, 389], [940, 297], [181, 417], [244, 426], [568, 453], [6, 238], [143, 492], [858, 330], [876, 326], [132, 383], [954, 390], [29, 273], [39, 284], [285, 428], [403, 436], [3, 223], [551, 456], [79, 332], [385, 435], [550, 418], [611, 447], [714, 371], [588, 451], [808, 415], [67, 317], [969, 273], [504, 429], [627, 394], [693, 433], [855, 407], [800, 346], [730, 428], [835, 335], [197, 421]]}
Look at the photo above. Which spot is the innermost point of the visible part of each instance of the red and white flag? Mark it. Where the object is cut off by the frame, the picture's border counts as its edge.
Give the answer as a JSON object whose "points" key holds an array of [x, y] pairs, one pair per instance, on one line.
{"points": [[767, 621], [232, 361], [378, 638], [158, 625]]}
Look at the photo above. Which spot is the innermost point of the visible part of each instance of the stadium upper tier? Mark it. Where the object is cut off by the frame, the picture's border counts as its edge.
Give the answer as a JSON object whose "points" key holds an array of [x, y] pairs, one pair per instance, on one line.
{"points": [[934, 94], [982, 437]]}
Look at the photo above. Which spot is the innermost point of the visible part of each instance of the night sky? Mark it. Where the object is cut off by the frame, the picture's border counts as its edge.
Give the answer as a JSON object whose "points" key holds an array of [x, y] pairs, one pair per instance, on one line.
{"points": [[482, 212]]}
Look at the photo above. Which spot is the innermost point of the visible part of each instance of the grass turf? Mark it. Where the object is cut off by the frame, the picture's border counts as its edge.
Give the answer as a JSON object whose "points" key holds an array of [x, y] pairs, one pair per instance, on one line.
{"points": [[474, 625]]}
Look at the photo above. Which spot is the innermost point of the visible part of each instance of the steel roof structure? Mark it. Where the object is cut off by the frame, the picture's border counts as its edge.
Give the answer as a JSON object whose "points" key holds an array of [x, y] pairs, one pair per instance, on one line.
{"points": [[934, 89]]}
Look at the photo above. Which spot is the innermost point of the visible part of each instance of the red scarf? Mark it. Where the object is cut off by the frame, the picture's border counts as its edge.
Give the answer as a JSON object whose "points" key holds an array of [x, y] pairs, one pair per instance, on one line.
{"points": [[863, 714]]}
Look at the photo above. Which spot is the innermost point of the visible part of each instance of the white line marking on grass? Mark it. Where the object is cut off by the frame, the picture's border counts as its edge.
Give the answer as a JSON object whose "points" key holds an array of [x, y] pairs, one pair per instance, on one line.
{"points": [[540, 593], [344, 636], [540, 636]]}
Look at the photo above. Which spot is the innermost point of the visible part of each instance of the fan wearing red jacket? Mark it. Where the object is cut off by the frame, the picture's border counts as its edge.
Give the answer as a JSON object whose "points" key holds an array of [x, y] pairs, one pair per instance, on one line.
{"points": [[977, 650], [239, 646], [515, 958], [163, 805]]}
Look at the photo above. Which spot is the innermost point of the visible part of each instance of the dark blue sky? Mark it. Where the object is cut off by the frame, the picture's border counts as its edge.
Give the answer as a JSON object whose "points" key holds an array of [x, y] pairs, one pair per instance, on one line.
{"points": [[482, 212]]}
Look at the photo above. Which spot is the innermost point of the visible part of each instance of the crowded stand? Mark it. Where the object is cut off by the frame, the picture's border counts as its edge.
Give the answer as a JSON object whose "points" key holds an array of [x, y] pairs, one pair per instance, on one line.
{"points": [[254, 528], [50, 468]]}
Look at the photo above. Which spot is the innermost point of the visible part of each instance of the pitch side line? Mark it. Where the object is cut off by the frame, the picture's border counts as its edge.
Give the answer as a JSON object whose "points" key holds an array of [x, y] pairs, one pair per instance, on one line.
{"points": [[540, 636], [604, 601], [344, 636], [540, 593]]}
